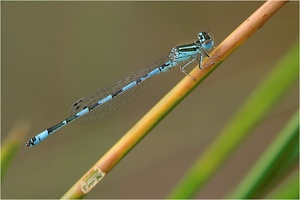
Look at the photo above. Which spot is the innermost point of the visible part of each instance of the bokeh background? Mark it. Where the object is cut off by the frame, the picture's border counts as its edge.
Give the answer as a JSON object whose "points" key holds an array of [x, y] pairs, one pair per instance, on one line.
{"points": [[53, 53]]}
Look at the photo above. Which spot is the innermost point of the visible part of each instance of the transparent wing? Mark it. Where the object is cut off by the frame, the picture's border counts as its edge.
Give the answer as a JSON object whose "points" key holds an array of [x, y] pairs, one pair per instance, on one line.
{"points": [[115, 105]]}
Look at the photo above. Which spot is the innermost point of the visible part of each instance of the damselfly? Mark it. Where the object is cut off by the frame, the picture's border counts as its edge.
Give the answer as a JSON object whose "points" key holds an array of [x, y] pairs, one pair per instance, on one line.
{"points": [[110, 100]]}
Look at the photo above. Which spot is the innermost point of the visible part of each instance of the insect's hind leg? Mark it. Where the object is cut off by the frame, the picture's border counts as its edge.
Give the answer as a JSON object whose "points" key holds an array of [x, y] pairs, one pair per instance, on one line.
{"points": [[185, 65]]}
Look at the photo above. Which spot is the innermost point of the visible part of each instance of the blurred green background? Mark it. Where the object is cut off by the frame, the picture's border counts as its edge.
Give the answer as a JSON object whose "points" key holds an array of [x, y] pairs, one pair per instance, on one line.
{"points": [[53, 53]]}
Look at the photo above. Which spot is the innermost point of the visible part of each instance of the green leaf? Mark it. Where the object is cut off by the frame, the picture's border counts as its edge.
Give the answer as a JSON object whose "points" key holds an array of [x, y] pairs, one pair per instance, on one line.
{"points": [[276, 161]]}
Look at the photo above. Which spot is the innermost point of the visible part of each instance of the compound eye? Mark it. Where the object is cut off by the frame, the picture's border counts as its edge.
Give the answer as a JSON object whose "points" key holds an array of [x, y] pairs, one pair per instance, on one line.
{"points": [[207, 44], [205, 40]]}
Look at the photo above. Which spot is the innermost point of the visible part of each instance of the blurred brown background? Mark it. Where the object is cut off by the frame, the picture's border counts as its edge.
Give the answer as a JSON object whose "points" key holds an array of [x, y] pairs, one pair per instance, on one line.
{"points": [[56, 52]]}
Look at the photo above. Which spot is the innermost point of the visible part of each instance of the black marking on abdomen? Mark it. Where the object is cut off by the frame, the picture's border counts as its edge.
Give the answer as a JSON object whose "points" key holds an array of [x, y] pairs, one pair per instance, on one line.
{"points": [[70, 119], [117, 93], [140, 80], [163, 66], [32, 140], [93, 106], [55, 127]]}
